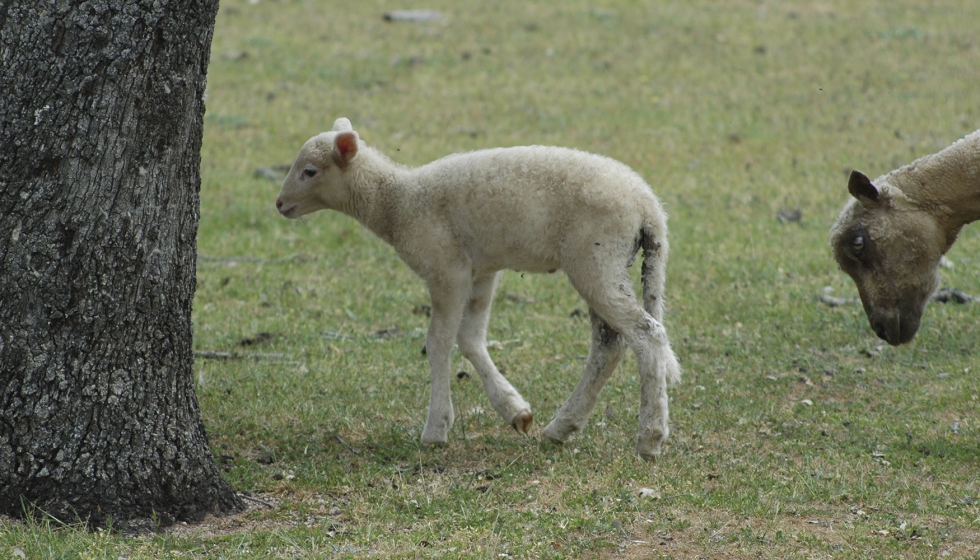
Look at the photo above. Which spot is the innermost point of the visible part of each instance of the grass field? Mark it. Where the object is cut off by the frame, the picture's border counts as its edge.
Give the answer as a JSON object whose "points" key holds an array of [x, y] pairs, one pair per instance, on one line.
{"points": [[795, 432]]}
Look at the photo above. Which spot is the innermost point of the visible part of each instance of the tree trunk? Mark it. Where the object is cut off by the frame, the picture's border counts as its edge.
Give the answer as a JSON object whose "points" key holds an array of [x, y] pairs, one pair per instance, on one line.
{"points": [[101, 116]]}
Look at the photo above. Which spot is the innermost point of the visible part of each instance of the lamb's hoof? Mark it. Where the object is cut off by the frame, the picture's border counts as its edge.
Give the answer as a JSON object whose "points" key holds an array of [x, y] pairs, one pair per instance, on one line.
{"points": [[650, 448], [435, 437], [649, 456], [522, 422], [558, 434]]}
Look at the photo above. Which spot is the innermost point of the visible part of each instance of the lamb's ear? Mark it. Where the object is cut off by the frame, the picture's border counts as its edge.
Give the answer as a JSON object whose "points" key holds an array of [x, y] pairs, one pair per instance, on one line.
{"points": [[342, 124], [344, 147], [863, 189]]}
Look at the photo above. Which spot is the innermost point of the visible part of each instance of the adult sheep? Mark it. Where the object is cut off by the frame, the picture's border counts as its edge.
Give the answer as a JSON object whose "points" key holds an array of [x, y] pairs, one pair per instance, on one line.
{"points": [[890, 236], [457, 222]]}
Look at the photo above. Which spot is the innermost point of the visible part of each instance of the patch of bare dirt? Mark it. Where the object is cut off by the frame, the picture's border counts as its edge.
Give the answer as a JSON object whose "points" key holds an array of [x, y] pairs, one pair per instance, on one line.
{"points": [[268, 512], [255, 517]]}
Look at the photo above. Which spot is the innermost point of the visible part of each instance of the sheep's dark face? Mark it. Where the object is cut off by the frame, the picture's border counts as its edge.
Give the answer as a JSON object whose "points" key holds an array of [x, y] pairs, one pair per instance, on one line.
{"points": [[316, 179], [892, 254]]}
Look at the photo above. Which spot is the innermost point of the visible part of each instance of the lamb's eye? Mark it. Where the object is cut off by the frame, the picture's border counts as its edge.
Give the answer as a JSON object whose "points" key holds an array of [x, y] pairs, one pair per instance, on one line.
{"points": [[309, 172], [858, 244]]}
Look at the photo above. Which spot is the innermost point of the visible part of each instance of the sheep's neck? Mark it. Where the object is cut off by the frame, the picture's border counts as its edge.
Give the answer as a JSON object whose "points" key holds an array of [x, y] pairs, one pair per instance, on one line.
{"points": [[945, 185], [374, 199]]}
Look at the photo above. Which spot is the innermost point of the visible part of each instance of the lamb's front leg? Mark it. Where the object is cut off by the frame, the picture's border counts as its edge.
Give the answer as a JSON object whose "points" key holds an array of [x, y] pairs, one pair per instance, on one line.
{"points": [[472, 342], [449, 294]]}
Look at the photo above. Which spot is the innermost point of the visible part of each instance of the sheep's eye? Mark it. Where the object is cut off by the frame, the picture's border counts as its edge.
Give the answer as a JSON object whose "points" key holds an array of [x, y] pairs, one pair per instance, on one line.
{"points": [[309, 172], [858, 244]]}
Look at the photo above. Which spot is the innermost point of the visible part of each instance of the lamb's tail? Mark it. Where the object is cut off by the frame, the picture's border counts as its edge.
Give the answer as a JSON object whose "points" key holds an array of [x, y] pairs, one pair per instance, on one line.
{"points": [[653, 241], [654, 271]]}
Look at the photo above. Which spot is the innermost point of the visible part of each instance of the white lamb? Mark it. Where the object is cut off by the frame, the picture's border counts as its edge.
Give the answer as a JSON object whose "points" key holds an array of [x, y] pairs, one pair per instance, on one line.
{"points": [[458, 221]]}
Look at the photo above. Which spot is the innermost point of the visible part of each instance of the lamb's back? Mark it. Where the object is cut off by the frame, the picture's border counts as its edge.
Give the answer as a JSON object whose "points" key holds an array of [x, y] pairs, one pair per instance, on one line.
{"points": [[532, 177], [521, 207]]}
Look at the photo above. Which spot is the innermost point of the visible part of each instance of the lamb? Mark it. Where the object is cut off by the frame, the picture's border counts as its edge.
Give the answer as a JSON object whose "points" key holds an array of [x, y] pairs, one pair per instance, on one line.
{"points": [[890, 236], [459, 221]]}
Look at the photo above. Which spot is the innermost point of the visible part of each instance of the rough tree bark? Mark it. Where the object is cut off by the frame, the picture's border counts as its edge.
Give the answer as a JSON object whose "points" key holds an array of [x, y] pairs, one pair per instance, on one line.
{"points": [[101, 116]]}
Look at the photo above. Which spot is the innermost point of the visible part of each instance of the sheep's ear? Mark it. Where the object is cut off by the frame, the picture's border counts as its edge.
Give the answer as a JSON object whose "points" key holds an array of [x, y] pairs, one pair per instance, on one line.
{"points": [[342, 124], [863, 189], [345, 147]]}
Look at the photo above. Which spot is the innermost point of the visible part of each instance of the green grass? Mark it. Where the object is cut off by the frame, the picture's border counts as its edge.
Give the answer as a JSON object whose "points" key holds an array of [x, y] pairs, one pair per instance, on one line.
{"points": [[796, 433]]}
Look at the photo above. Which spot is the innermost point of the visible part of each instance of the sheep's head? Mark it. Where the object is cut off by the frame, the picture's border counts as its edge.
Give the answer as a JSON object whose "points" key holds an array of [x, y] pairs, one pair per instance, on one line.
{"points": [[317, 178], [891, 250]]}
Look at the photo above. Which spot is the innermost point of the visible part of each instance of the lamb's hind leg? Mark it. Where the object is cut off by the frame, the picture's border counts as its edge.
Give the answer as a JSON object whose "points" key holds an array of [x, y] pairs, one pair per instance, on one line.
{"points": [[605, 352], [613, 299], [472, 342], [657, 364], [449, 294]]}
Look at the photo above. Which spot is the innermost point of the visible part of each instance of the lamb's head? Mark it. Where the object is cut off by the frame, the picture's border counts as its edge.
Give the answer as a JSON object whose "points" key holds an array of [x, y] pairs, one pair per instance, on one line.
{"points": [[318, 178], [891, 250]]}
